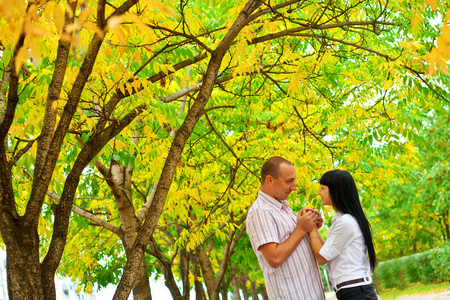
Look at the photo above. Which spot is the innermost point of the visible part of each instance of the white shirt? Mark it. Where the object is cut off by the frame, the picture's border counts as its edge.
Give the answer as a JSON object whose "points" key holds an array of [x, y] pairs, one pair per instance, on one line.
{"points": [[346, 251], [297, 278]]}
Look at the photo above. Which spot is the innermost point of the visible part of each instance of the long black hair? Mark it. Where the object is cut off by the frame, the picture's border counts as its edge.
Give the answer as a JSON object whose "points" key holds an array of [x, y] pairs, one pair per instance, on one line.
{"points": [[345, 199]]}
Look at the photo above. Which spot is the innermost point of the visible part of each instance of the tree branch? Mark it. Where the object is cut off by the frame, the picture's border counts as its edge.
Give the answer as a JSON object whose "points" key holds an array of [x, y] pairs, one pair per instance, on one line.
{"points": [[318, 139], [226, 144], [21, 152], [88, 215], [295, 31], [143, 212]]}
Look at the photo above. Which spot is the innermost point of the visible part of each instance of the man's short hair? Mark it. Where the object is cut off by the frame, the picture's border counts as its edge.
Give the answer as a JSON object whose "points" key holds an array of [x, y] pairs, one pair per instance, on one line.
{"points": [[272, 167]]}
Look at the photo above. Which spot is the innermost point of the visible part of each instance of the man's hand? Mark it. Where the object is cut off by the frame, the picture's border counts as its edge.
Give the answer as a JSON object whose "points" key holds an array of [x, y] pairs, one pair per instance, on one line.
{"points": [[307, 220], [319, 221]]}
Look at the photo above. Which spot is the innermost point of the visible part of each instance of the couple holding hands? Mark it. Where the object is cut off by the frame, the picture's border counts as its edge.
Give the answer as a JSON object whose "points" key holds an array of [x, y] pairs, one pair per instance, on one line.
{"points": [[289, 246]]}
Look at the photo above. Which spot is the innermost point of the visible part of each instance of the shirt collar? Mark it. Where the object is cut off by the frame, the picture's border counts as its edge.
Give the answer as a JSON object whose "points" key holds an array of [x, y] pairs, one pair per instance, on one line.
{"points": [[272, 201], [337, 216]]}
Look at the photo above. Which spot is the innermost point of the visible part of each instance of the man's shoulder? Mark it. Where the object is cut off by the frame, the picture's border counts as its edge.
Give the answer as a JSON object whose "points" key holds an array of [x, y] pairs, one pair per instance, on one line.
{"points": [[260, 206]]}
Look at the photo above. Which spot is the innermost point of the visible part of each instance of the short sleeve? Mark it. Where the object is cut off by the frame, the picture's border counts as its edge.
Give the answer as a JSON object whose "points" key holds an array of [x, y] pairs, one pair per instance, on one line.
{"points": [[261, 228], [341, 234]]}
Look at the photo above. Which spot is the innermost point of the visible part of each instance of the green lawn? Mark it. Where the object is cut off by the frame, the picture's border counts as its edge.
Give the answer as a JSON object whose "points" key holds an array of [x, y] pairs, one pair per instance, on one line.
{"points": [[414, 289]]}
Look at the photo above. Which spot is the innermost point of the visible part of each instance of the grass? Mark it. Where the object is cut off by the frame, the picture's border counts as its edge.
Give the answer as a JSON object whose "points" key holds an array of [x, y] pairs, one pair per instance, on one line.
{"points": [[415, 289]]}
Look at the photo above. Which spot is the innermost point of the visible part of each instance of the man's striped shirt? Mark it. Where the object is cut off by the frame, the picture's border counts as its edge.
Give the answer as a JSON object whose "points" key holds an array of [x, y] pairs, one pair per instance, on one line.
{"points": [[296, 278]]}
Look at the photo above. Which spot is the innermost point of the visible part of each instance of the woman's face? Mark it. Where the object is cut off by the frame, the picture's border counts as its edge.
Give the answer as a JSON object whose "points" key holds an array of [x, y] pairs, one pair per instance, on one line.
{"points": [[324, 194]]}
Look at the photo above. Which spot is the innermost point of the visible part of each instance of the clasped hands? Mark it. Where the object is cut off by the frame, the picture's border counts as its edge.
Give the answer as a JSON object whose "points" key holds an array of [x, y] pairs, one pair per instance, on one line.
{"points": [[308, 219]]}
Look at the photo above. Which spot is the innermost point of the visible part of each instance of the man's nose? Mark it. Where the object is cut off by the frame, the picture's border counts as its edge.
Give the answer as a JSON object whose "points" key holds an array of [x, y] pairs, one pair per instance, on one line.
{"points": [[294, 187]]}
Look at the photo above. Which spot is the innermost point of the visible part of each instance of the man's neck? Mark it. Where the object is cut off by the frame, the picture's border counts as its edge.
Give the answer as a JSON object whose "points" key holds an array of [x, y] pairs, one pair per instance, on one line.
{"points": [[269, 194]]}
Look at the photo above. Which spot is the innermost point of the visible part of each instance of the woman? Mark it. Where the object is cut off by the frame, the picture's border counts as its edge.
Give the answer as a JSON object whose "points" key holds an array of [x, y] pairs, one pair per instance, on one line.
{"points": [[348, 241]]}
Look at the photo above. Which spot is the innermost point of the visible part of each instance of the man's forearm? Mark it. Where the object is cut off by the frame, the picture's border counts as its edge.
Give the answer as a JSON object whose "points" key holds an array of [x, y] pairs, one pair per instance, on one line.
{"points": [[276, 254]]}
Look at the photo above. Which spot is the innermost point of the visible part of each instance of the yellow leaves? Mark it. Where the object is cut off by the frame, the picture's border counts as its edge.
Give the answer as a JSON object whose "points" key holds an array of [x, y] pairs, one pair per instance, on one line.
{"points": [[34, 150], [44, 226], [438, 57], [67, 8], [120, 145], [311, 94], [161, 8], [58, 18], [406, 45], [294, 85], [117, 30], [432, 4], [142, 29], [239, 59], [113, 22], [248, 33], [194, 20], [240, 48], [34, 48], [86, 13], [88, 288], [10, 7], [225, 62], [22, 55], [137, 57], [94, 28], [412, 46], [167, 68], [416, 21], [387, 84]]}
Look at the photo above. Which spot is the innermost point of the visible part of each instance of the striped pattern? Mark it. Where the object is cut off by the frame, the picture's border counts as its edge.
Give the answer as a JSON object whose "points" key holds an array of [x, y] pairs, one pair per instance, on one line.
{"points": [[296, 278]]}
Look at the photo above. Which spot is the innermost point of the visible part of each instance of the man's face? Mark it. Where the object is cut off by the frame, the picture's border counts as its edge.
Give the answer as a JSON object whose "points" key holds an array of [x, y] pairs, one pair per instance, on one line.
{"points": [[282, 186]]}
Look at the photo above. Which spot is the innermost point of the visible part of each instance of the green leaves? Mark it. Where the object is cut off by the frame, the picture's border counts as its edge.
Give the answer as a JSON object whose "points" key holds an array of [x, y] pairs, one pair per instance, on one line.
{"points": [[326, 85]]}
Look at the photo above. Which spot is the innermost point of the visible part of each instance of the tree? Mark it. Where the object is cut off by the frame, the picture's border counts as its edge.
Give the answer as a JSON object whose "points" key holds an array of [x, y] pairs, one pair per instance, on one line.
{"points": [[110, 69], [417, 199]]}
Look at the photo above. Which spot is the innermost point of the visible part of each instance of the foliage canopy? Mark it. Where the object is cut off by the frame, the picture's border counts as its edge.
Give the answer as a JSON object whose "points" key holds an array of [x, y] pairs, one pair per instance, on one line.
{"points": [[149, 120]]}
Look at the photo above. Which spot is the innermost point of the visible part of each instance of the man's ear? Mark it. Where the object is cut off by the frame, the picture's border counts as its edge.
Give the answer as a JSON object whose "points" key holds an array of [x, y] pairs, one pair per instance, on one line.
{"points": [[269, 179]]}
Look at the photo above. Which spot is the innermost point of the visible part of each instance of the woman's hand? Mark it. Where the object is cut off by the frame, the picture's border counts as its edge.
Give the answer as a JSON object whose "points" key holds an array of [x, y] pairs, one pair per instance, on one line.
{"points": [[319, 220]]}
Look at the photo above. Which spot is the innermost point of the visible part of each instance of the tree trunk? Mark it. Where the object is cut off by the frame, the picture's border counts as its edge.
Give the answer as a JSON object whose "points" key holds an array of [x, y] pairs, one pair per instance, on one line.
{"points": [[254, 291], [263, 292], [446, 226], [184, 272], [141, 291], [121, 177], [176, 149], [199, 290], [225, 287], [243, 281], [235, 286], [24, 273], [166, 269], [207, 271]]}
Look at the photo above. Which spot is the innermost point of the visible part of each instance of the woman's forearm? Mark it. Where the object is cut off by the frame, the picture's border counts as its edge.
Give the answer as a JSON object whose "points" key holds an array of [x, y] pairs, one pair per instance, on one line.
{"points": [[317, 242]]}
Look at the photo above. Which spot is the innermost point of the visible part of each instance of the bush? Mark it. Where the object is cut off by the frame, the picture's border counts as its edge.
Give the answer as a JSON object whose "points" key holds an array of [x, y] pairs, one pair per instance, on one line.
{"points": [[427, 267], [417, 268], [440, 262], [388, 275]]}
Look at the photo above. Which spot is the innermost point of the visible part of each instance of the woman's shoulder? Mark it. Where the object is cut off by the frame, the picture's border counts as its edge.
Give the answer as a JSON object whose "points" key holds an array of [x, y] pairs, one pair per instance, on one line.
{"points": [[347, 220]]}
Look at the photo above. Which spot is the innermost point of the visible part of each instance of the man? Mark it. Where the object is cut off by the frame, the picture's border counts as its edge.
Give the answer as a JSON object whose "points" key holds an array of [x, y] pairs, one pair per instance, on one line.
{"points": [[280, 238]]}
